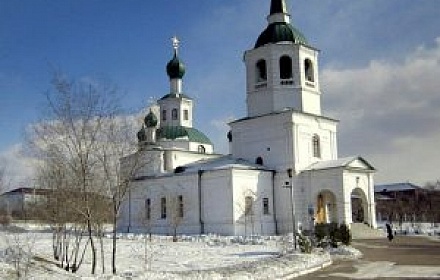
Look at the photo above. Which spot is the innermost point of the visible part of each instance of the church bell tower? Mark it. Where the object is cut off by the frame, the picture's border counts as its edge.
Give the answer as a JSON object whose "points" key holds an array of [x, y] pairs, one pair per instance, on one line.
{"points": [[282, 68]]}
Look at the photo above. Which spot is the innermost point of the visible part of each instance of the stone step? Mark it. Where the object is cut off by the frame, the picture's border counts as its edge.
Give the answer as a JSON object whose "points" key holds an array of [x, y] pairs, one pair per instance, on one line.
{"points": [[363, 231]]}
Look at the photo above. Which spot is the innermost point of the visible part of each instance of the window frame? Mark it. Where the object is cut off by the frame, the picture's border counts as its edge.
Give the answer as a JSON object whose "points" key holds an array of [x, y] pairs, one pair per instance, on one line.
{"points": [[163, 208], [148, 208], [180, 208], [285, 67], [309, 71], [265, 205], [316, 146], [174, 114], [261, 71]]}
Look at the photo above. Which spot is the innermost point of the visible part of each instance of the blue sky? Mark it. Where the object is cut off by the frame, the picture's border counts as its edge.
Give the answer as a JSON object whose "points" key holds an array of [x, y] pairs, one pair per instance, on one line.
{"points": [[379, 62]]}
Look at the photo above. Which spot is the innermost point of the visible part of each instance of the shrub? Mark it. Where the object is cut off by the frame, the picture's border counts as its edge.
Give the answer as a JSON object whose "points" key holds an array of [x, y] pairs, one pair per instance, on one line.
{"points": [[330, 234], [305, 244], [333, 234], [344, 234], [5, 220], [320, 232]]}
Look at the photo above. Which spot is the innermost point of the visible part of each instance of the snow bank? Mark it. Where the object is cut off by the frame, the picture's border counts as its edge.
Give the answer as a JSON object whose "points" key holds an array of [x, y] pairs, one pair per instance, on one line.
{"points": [[269, 268], [345, 252], [193, 257]]}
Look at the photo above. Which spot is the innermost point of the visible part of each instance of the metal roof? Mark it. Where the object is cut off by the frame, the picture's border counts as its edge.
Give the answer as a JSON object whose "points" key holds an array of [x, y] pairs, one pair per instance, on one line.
{"points": [[337, 163], [221, 163], [182, 132], [396, 187]]}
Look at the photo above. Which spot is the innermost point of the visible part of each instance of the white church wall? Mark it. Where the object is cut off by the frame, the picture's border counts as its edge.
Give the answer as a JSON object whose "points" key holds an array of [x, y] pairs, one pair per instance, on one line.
{"points": [[324, 181], [264, 137], [147, 162], [256, 185], [133, 217], [180, 105], [186, 146], [259, 99], [283, 202], [284, 140], [217, 202], [174, 144], [175, 158], [305, 127], [195, 146], [311, 98]]}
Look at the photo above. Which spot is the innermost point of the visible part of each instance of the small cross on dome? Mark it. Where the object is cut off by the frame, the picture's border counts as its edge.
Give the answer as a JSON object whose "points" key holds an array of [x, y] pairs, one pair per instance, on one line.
{"points": [[176, 43]]}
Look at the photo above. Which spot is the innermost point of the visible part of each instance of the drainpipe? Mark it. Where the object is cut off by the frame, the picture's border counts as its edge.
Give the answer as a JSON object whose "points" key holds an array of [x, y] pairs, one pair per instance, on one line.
{"points": [[273, 202], [199, 183]]}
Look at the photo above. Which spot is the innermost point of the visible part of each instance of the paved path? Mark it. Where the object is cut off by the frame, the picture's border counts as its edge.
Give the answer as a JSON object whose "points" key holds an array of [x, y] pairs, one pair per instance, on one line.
{"points": [[403, 258]]}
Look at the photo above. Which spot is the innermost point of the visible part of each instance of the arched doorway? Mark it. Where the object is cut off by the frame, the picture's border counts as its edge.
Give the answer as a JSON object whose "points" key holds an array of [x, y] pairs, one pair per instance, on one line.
{"points": [[327, 211], [359, 206]]}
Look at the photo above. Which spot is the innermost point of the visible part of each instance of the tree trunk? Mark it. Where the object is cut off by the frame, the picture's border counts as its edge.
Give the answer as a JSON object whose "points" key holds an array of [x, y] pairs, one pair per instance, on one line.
{"points": [[114, 244]]}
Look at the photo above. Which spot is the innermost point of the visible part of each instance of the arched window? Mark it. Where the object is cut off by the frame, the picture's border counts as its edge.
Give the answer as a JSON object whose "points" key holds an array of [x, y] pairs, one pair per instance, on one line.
{"points": [[259, 160], [261, 71], [174, 114], [164, 115], [316, 146], [285, 67], [185, 115], [201, 149], [309, 71]]}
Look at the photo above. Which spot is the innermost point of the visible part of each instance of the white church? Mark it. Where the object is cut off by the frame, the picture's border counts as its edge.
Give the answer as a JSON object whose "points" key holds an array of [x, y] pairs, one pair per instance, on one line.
{"points": [[282, 173]]}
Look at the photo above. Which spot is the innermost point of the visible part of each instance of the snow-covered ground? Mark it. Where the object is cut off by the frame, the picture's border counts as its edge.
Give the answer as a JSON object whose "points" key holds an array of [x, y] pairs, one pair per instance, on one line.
{"points": [[193, 257]]}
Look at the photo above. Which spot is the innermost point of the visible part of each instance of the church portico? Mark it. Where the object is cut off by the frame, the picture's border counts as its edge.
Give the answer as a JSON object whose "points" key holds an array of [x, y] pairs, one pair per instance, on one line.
{"points": [[340, 189], [359, 194]]}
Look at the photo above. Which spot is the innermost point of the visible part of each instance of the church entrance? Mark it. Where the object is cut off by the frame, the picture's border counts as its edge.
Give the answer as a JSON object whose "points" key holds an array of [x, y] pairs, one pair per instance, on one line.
{"points": [[358, 206], [326, 208]]}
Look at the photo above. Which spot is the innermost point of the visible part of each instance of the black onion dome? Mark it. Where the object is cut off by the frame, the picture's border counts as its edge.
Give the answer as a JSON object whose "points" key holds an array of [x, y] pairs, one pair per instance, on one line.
{"points": [[280, 32], [175, 68], [151, 120], [141, 135]]}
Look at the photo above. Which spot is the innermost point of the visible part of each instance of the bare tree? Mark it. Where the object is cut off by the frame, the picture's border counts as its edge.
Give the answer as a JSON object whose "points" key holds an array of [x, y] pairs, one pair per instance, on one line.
{"points": [[247, 207], [119, 163], [69, 136], [5, 217], [177, 206]]}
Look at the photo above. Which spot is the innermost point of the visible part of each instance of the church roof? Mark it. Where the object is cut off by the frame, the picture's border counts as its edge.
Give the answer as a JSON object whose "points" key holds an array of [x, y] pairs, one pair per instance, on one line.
{"points": [[355, 162], [187, 133], [280, 32], [175, 95], [221, 163], [290, 110], [279, 28], [396, 187]]}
